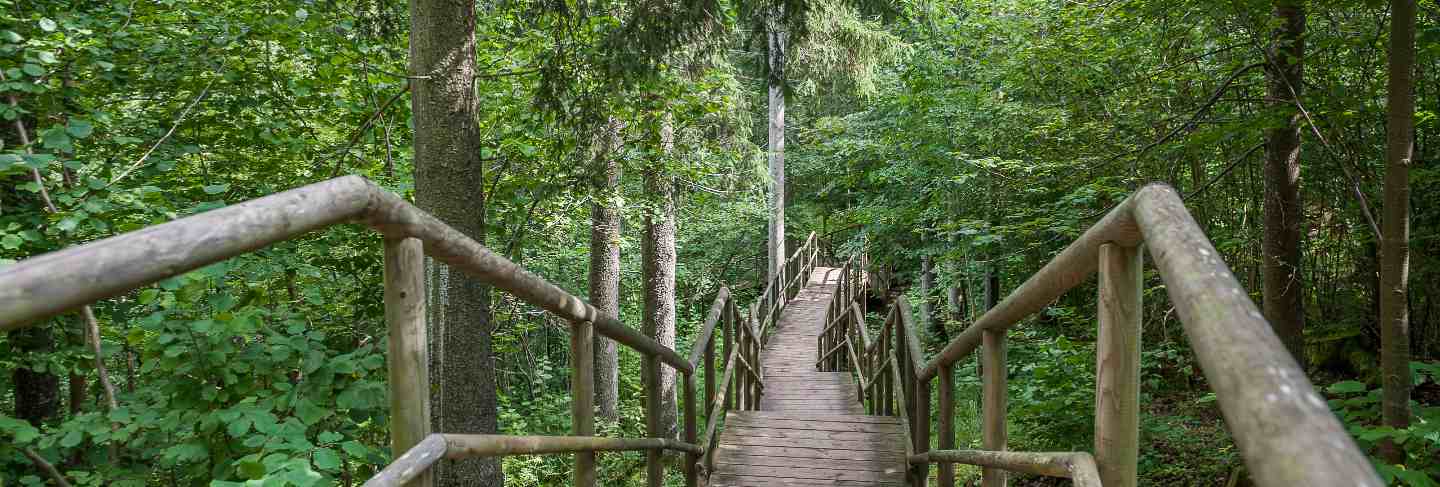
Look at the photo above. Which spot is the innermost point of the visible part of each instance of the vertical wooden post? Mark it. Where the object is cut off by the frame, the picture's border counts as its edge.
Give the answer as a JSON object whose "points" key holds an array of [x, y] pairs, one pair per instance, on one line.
{"points": [[582, 396], [921, 419], [993, 402], [691, 460], [946, 475], [731, 319], [741, 379], [994, 392], [654, 467], [408, 357], [1117, 370], [755, 362], [709, 377]]}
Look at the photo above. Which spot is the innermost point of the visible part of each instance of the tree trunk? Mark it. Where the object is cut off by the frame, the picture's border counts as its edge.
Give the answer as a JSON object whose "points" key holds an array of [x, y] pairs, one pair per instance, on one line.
{"points": [[37, 394], [605, 266], [927, 302], [776, 148], [658, 252], [449, 184], [1395, 238], [1282, 288]]}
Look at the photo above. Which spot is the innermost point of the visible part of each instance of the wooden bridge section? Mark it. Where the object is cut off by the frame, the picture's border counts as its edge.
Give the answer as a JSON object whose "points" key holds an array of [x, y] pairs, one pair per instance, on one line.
{"points": [[776, 392], [811, 429]]}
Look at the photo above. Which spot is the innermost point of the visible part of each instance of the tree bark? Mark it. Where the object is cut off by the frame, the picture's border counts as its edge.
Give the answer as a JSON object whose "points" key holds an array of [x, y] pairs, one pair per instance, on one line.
{"points": [[1395, 236], [605, 266], [658, 254], [37, 394], [776, 135], [449, 183], [927, 302], [1282, 288]]}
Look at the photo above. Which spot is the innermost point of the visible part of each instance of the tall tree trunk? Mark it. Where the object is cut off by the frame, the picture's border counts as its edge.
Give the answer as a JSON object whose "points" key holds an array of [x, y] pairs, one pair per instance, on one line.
{"points": [[605, 265], [1395, 238], [1283, 297], [776, 135], [37, 394], [449, 184], [658, 252]]}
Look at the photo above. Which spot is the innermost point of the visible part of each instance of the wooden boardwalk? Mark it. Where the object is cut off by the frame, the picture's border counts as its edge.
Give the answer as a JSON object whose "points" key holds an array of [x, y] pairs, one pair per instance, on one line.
{"points": [[811, 429]]}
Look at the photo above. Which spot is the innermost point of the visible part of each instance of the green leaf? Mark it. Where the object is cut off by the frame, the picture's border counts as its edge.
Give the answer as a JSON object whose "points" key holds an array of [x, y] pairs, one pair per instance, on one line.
{"points": [[354, 448], [79, 128], [216, 188], [309, 413], [38, 161], [11, 241], [21, 430], [327, 459], [330, 437], [238, 427], [71, 439], [47, 25], [33, 70], [251, 470], [68, 224], [10, 36], [46, 57], [56, 138], [1346, 387], [303, 477]]}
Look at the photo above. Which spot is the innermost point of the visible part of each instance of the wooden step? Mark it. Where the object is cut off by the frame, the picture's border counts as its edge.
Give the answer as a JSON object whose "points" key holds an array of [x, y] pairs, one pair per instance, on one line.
{"points": [[811, 429]]}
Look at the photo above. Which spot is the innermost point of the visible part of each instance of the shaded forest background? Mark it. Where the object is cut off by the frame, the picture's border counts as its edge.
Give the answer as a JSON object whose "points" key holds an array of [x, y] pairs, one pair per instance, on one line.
{"points": [[951, 139]]}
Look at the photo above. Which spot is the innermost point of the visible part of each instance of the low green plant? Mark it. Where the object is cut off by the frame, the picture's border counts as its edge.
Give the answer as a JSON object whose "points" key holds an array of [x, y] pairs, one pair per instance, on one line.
{"points": [[1358, 406]]}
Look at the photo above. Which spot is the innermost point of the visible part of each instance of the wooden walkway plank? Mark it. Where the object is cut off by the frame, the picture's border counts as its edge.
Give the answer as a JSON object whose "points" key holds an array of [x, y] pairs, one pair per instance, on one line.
{"points": [[811, 429]]}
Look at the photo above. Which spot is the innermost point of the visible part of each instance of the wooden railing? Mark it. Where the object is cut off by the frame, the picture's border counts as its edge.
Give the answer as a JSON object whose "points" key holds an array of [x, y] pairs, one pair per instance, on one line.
{"points": [[1283, 428], [54, 283]]}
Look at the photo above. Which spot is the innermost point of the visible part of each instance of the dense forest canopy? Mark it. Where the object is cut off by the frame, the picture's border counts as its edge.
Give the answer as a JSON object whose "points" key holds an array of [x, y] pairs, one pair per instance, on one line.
{"points": [[626, 150]]}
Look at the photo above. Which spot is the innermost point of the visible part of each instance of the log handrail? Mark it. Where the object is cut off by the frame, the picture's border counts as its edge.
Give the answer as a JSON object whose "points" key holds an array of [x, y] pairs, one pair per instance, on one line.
{"points": [[51, 284], [1283, 428]]}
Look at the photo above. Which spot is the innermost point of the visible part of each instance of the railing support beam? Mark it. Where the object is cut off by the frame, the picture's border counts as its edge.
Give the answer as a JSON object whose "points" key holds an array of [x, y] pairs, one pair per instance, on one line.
{"points": [[946, 475], [582, 397], [1117, 369], [654, 466], [993, 403], [409, 362]]}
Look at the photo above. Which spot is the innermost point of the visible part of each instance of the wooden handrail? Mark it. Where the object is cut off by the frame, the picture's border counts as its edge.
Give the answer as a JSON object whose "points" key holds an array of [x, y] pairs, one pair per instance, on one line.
{"points": [[56, 282], [1076, 466], [47, 285], [1283, 428], [454, 447]]}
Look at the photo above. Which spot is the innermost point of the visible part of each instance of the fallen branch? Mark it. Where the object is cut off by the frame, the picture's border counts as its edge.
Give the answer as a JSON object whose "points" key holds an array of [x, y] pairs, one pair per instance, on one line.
{"points": [[45, 466]]}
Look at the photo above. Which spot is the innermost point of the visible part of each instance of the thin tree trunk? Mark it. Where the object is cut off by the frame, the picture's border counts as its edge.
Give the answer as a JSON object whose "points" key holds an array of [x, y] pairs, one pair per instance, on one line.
{"points": [[776, 136], [37, 394], [605, 266], [1282, 288], [927, 302], [658, 254], [449, 183], [92, 337], [1395, 239]]}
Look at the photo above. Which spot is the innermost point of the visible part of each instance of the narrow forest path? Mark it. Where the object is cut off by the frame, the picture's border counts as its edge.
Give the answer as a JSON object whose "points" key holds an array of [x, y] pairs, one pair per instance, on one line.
{"points": [[811, 429]]}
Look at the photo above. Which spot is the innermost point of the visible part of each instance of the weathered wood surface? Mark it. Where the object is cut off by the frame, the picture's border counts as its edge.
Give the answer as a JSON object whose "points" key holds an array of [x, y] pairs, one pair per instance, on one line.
{"points": [[811, 429]]}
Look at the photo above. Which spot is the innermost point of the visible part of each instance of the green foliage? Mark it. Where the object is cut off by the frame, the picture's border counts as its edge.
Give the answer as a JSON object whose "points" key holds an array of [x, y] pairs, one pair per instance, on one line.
{"points": [[1359, 407]]}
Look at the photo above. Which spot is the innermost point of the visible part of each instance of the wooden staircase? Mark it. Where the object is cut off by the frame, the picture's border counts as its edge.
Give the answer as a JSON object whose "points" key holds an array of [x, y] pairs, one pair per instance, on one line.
{"points": [[811, 429]]}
